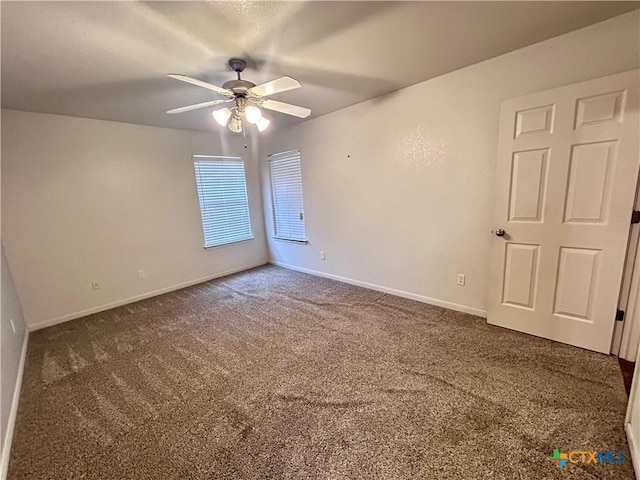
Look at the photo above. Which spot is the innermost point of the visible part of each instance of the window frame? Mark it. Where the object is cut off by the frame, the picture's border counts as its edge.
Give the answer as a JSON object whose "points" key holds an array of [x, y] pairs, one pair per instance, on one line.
{"points": [[276, 236], [221, 159]]}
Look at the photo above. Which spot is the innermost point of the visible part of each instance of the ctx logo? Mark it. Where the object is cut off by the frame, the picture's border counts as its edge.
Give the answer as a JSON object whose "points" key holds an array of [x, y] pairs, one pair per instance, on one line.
{"points": [[577, 456]]}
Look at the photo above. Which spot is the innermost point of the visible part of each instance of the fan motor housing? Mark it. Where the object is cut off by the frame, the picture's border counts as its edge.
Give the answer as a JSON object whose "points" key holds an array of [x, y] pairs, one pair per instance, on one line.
{"points": [[239, 87]]}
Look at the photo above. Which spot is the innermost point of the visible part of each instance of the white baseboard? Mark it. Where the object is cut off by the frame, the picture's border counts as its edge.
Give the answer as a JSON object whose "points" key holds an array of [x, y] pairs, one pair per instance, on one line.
{"points": [[400, 293], [119, 303], [6, 450]]}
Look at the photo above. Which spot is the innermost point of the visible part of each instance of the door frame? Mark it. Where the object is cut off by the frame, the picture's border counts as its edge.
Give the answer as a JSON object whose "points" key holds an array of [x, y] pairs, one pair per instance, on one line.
{"points": [[626, 338], [634, 443]]}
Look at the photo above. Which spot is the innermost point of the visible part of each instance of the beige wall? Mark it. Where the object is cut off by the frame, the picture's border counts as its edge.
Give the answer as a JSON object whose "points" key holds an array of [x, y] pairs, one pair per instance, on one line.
{"points": [[86, 200], [11, 353], [398, 189]]}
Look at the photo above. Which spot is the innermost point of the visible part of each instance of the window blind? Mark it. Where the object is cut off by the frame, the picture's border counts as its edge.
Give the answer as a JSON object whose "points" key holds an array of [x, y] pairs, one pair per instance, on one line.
{"points": [[222, 193], [286, 194]]}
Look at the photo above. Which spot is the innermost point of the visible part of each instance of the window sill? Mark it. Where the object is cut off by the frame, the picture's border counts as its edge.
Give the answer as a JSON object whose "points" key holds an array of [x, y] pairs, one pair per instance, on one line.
{"points": [[228, 244], [288, 240]]}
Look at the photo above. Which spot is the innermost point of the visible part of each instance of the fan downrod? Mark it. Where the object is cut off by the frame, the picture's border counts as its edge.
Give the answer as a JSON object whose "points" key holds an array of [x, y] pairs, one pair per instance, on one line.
{"points": [[239, 87]]}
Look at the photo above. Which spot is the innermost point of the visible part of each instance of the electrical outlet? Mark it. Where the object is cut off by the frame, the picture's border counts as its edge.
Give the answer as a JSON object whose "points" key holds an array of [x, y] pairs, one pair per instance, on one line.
{"points": [[13, 327], [95, 285], [140, 274], [322, 256], [460, 279]]}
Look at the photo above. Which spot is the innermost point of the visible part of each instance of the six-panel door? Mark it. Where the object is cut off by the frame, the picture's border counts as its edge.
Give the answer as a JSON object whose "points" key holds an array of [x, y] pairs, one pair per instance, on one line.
{"points": [[566, 178]]}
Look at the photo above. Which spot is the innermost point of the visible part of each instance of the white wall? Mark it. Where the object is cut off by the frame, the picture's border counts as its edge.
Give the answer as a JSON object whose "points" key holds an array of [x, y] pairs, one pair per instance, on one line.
{"points": [[12, 344], [398, 189], [86, 200]]}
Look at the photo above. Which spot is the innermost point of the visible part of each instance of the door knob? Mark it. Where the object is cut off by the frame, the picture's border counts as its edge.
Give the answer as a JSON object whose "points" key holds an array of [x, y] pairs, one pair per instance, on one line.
{"points": [[500, 232]]}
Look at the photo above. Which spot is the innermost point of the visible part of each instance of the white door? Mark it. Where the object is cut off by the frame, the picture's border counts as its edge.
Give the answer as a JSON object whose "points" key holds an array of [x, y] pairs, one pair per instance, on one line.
{"points": [[566, 176]]}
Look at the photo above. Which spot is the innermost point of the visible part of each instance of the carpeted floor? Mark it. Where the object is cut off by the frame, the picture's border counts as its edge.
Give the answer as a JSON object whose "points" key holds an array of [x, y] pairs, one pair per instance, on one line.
{"points": [[276, 374]]}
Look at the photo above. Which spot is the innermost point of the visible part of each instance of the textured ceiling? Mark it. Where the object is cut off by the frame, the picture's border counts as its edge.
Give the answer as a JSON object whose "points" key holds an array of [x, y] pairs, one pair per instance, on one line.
{"points": [[108, 60]]}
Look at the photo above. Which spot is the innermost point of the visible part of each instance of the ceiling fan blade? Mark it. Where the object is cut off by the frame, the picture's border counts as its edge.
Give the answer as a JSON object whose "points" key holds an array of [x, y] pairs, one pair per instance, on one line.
{"points": [[196, 106], [200, 83], [287, 108], [278, 85]]}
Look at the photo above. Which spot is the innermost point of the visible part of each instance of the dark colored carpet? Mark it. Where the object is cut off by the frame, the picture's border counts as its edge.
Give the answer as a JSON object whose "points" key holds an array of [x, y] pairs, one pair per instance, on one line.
{"points": [[276, 374], [627, 368]]}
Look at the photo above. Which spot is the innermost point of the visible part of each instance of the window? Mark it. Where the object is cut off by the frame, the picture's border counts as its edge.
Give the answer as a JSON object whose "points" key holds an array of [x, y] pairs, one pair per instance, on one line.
{"points": [[286, 195], [222, 192]]}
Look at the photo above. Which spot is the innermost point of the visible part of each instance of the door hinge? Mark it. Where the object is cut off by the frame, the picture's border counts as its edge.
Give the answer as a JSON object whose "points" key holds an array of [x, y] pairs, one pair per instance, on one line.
{"points": [[635, 216], [619, 315]]}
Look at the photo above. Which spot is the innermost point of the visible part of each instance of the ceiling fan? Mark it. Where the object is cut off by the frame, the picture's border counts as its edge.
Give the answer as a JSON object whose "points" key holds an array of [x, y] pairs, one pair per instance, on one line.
{"points": [[248, 99]]}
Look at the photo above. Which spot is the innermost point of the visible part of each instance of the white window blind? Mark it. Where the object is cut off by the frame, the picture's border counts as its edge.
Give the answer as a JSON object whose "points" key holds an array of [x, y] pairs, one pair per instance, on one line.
{"points": [[222, 192], [286, 194]]}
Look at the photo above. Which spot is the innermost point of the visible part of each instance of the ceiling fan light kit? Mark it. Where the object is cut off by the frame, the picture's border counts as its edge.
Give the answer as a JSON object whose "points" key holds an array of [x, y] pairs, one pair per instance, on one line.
{"points": [[235, 125], [262, 124], [249, 99], [222, 116], [252, 114]]}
